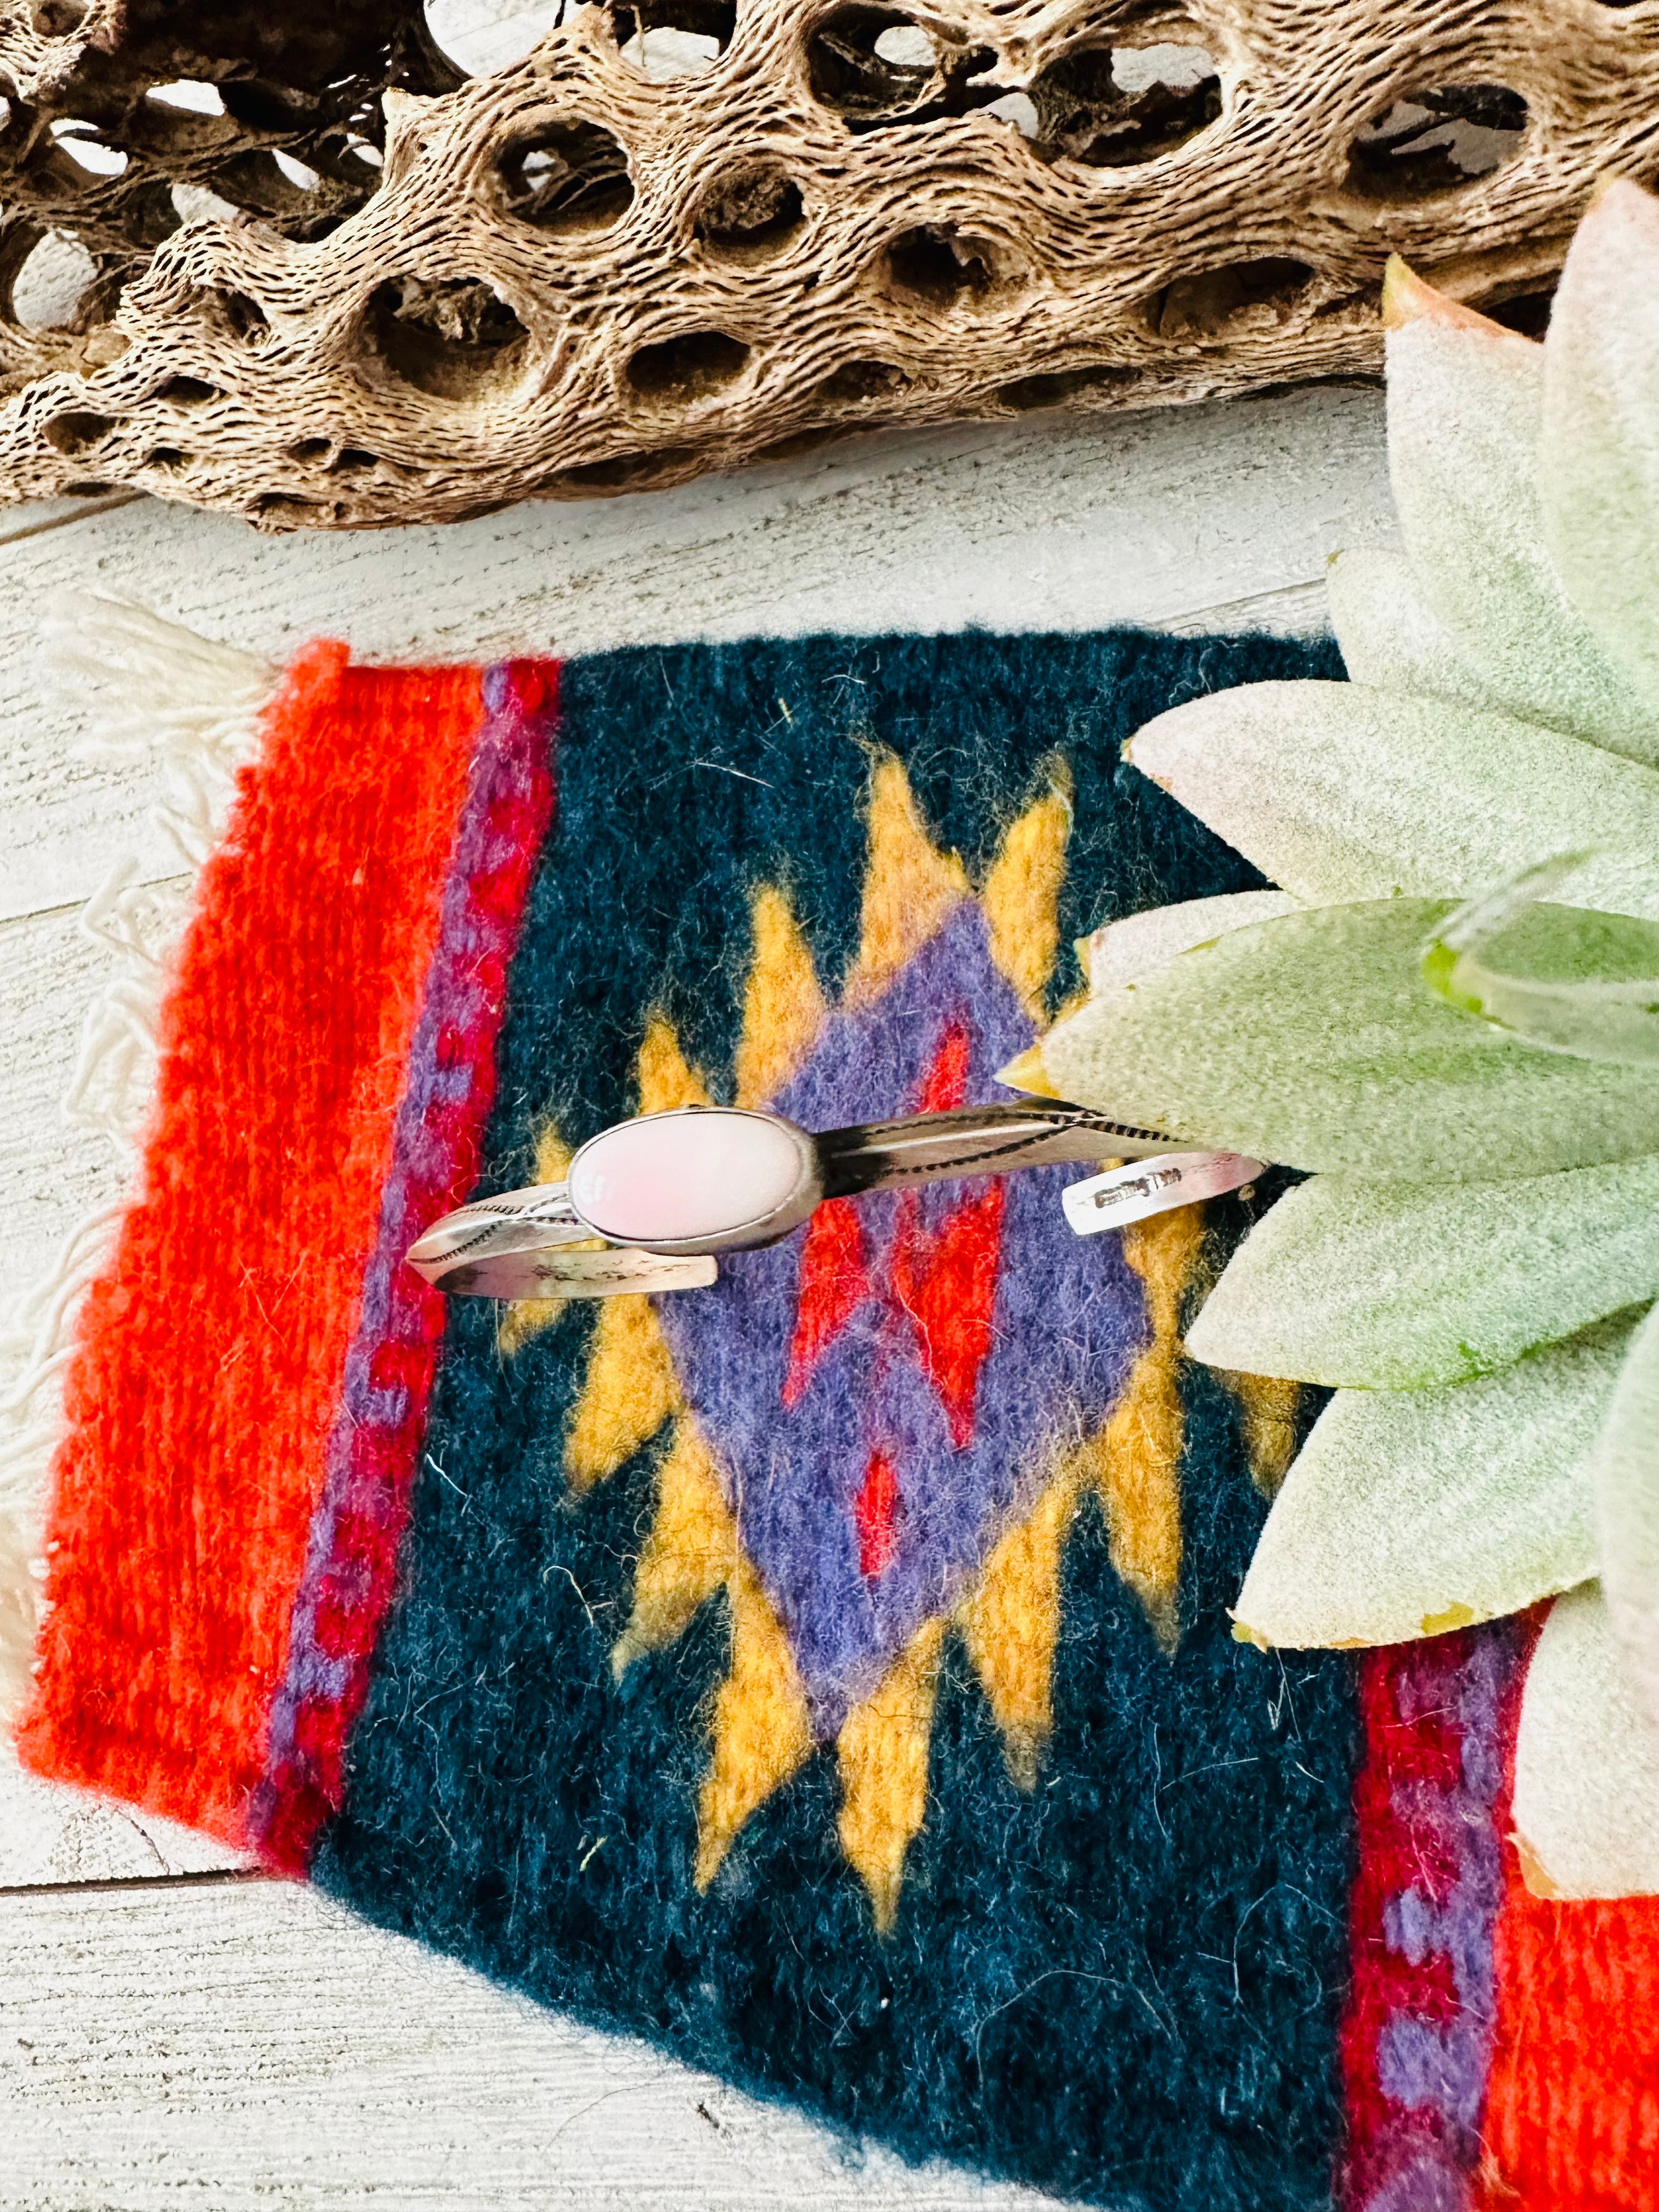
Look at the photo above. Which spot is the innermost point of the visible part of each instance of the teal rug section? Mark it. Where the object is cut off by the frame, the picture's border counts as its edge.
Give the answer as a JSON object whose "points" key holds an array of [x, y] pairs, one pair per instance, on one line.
{"points": [[1121, 1984]]}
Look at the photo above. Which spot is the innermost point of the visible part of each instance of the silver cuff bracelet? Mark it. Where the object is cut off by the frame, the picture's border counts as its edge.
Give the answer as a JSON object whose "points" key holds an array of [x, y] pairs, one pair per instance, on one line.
{"points": [[648, 1203]]}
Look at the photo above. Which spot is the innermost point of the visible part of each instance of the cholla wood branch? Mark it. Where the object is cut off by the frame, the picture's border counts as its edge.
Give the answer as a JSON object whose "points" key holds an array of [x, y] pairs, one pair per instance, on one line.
{"points": [[95, 145], [679, 235]]}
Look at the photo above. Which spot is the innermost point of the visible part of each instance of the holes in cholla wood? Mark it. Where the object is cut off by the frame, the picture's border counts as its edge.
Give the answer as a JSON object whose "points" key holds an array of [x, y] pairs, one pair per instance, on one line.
{"points": [[1436, 141], [1106, 105], [455, 338], [276, 185], [181, 128], [1214, 304], [236, 314], [114, 145], [1017, 108], [565, 176], [661, 56], [849, 75], [82, 144], [57, 19], [276, 116], [54, 304], [1111, 106], [940, 267], [338, 461], [858, 383], [1055, 387], [623, 471], [300, 174], [50, 283], [749, 212], [196, 204], [75, 431], [257, 106], [875, 67], [907, 45], [682, 370], [187, 391], [187, 96], [280, 510]]}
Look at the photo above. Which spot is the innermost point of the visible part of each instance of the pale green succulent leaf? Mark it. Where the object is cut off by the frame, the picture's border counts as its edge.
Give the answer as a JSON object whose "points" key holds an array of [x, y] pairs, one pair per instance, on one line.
{"points": [[1390, 639], [1624, 1477], [1408, 1512], [1466, 402], [1586, 1805], [1310, 1040], [1564, 978], [1337, 792], [1398, 1286], [1120, 950], [1599, 456]]}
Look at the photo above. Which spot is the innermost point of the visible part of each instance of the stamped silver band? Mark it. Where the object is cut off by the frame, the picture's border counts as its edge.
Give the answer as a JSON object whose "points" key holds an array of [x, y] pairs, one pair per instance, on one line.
{"points": [[1140, 1188], [647, 1203]]}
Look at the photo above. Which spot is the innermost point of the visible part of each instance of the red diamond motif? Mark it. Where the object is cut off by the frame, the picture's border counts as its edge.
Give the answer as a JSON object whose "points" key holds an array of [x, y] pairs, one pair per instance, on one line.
{"points": [[936, 1287]]}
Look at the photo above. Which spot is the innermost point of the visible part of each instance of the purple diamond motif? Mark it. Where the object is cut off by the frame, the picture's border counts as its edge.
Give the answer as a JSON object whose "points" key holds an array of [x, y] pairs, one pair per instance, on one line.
{"points": [[855, 1557]]}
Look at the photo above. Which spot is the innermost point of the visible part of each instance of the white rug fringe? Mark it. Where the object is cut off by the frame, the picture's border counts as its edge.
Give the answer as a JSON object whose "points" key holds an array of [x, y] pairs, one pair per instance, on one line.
{"points": [[154, 690], [157, 691], [115, 1069]]}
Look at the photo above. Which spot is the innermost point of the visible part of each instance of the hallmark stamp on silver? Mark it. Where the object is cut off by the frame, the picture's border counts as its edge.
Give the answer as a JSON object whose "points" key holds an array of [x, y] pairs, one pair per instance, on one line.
{"points": [[1141, 1187]]}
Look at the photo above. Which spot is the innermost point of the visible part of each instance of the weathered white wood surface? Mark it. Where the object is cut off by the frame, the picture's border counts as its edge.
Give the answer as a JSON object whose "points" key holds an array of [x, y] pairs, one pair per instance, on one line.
{"points": [[51, 1171], [485, 35], [225, 2044], [57, 1839], [243, 2045], [1063, 522]]}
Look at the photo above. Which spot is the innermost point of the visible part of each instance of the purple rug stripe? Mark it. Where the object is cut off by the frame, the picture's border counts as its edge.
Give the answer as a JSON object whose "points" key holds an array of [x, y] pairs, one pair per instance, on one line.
{"points": [[448, 1091], [1434, 2068]]}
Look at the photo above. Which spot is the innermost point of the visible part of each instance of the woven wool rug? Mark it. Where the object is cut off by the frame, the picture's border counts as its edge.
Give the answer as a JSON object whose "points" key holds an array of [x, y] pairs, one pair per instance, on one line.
{"points": [[827, 1675]]}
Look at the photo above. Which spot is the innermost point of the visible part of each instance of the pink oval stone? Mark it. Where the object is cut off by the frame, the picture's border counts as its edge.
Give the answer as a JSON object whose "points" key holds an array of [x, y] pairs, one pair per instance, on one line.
{"points": [[691, 1177]]}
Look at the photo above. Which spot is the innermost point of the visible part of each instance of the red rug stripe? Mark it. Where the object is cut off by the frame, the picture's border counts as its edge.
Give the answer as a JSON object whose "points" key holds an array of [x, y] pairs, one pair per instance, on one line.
{"points": [[210, 1356], [1572, 2103]]}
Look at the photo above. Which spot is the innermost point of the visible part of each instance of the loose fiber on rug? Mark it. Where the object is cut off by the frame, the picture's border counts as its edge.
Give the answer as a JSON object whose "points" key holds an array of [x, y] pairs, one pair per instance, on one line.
{"points": [[827, 1675]]}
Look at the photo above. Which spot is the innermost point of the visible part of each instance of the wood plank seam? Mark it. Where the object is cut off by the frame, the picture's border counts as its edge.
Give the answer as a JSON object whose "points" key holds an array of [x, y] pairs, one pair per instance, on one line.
{"points": [[1057, 523]]}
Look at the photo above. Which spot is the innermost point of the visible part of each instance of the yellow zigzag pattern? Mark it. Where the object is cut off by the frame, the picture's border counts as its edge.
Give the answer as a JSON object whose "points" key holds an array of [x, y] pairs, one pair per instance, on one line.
{"points": [[1009, 1620]]}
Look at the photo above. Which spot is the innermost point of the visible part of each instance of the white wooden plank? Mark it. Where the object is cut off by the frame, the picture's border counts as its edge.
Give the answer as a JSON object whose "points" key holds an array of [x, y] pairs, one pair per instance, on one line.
{"points": [[1063, 522], [248, 2045], [483, 36], [32, 518], [51, 1836], [51, 1173]]}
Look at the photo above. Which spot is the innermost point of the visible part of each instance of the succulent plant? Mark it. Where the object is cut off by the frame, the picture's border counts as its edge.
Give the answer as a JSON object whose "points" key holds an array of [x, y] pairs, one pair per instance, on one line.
{"points": [[1447, 1014]]}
